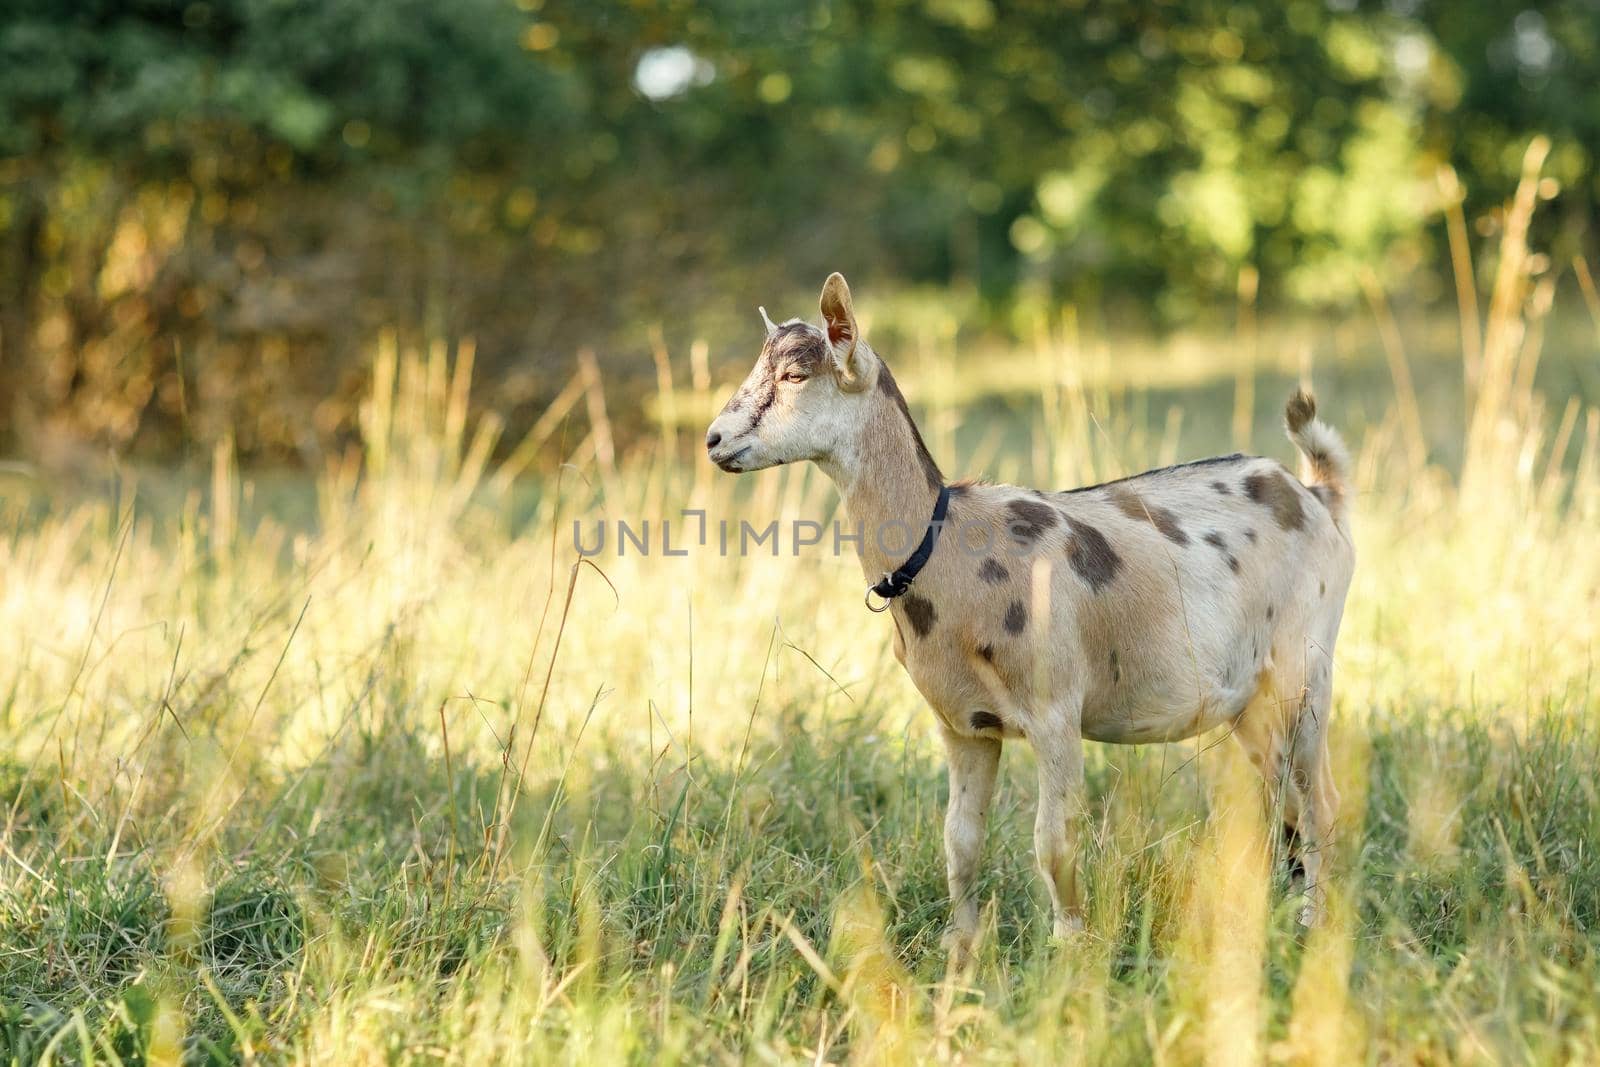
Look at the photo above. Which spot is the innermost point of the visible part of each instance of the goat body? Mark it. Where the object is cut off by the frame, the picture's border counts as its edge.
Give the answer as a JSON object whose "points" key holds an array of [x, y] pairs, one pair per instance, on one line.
{"points": [[1153, 608]]}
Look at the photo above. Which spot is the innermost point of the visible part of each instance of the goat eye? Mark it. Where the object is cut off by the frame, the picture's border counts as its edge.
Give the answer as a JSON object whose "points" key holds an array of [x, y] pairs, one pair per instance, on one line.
{"points": [[794, 376]]}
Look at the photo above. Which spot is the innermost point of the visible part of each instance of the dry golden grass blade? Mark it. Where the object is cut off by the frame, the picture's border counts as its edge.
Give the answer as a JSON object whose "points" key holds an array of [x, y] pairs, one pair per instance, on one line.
{"points": [[666, 396], [1490, 427], [1453, 195], [1591, 297], [1244, 389], [1406, 404], [457, 405], [522, 457], [594, 396]]}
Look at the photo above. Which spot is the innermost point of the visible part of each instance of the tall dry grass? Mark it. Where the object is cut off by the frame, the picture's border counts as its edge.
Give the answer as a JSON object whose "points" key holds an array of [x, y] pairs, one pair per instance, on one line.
{"points": [[409, 781]]}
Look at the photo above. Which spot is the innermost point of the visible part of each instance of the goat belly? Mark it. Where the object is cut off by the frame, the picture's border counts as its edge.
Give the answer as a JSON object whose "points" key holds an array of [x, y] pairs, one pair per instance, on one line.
{"points": [[1135, 722]]}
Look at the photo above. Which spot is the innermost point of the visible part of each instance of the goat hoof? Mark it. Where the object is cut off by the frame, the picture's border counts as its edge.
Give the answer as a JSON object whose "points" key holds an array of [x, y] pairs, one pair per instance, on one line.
{"points": [[958, 947], [1311, 910], [1067, 928]]}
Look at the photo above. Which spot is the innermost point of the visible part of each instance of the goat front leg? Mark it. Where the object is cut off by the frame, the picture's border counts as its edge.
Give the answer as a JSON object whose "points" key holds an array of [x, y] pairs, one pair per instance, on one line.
{"points": [[1056, 829], [973, 763]]}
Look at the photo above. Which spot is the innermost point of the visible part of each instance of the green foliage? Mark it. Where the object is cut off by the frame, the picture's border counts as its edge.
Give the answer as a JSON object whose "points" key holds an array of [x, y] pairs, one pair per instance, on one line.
{"points": [[209, 208], [148, 83]]}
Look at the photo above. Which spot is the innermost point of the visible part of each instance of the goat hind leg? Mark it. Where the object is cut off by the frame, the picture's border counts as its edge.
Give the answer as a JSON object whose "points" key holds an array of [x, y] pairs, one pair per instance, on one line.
{"points": [[1263, 732], [1311, 779]]}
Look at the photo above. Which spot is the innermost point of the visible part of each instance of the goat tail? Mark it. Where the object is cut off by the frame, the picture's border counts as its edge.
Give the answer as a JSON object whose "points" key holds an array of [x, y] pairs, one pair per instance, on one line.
{"points": [[1324, 449]]}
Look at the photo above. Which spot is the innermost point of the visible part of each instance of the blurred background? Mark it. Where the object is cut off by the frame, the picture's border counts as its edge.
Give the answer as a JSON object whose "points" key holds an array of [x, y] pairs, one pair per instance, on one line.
{"points": [[211, 211], [320, 321]]}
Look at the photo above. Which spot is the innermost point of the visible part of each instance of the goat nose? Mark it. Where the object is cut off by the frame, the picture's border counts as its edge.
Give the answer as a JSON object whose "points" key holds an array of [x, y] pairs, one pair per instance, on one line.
{"points": [[713, 439]]}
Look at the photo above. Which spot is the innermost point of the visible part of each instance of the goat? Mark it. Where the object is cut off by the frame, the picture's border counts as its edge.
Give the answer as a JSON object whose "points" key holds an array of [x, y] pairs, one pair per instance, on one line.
{"points": [[1148, 609]]}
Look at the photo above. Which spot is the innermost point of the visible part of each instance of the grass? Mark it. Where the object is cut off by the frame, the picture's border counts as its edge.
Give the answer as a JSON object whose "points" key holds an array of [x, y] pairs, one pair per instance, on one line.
{"points": [[401, 780]]}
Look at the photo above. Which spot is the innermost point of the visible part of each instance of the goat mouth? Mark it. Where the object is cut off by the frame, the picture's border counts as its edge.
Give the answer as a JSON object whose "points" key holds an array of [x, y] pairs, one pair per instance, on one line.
{"points": [[730, 463]]}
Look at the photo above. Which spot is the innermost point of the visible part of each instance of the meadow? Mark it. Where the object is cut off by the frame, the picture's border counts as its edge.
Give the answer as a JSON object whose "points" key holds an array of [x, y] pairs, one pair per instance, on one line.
{"points": [[380, 770]]}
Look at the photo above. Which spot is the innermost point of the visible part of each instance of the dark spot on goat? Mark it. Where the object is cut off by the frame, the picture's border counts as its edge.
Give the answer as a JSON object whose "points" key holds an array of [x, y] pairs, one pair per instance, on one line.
{"points": [[1091, 555], [1116, 668], [797, 343], [1271, 489], [1136, 507], [1029, 520], [986, 653], [1271, 611], [1250, 535], [1016, 618], [769, 393], [888, 387], [993, 571], [986, 720], [1222, 487], [920, 613], [1322, 588], [1167, 522], [1220, 543]]}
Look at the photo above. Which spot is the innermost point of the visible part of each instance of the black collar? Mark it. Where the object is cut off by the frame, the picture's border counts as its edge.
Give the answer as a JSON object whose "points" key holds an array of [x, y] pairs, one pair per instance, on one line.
{"points": [[898, 583]]}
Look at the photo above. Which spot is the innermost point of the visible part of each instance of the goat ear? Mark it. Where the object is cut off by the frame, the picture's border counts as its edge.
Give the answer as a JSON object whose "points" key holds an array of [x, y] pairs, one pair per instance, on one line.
{"points": [[839, 316]]}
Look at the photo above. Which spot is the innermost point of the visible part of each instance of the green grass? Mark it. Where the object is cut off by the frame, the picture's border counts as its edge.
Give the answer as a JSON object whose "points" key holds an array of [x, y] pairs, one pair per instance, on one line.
{"points": [[657, 916], [390, 777]]}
